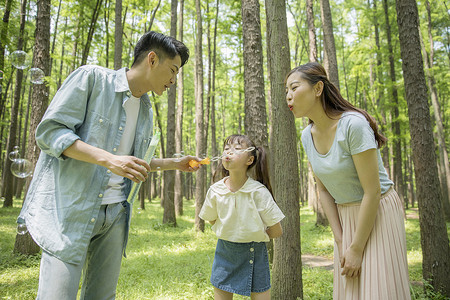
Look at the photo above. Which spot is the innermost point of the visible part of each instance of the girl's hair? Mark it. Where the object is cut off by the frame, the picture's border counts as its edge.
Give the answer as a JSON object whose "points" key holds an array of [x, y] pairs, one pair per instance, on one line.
{"points": [[332, 100], [260, 161]]}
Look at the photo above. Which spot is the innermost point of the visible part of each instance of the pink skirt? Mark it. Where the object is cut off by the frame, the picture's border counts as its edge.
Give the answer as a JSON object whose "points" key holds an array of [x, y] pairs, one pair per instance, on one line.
{"points": [[384, 268]]}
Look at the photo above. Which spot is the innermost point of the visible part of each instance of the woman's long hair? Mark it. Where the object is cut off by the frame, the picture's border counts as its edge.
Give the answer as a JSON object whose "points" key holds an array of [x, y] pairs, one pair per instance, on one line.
{"points": [[260, 160], [332, 101]]}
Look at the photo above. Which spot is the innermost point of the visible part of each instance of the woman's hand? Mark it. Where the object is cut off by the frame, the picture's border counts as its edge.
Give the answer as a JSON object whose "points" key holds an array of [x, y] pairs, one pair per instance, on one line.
{"points": [[351, 262]]}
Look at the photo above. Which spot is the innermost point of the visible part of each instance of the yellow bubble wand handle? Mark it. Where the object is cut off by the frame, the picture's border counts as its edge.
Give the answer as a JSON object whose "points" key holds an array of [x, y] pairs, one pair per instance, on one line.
{"points": [[194, 163], [147, 157]]}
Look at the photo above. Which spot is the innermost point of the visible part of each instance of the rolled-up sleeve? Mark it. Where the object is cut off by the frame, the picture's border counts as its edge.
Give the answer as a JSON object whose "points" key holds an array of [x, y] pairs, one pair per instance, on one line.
{"points": [[56, 132], [209, 209]]}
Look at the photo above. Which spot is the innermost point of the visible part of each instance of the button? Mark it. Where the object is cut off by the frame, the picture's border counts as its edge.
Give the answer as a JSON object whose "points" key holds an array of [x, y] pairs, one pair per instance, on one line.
{"points": [[109, 171], [251, 261], [251, 249], [92, 220], [101, 120], [114, 149], [100, 195], [120, 128]]}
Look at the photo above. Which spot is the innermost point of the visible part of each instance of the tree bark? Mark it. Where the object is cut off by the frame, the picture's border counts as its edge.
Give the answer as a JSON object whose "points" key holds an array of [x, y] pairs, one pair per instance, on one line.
{"points": [[118, 32], [255, 120], [199, 117], [444, 174], [311, 31], [8, 178], [329, 45], [287, 265], [179, 123], [434, 239], [169, 176], [39, 102]]}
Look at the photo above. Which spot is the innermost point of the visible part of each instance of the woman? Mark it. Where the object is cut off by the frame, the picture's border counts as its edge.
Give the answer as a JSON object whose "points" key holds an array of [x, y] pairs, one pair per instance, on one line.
{"points": [[365, 213]]}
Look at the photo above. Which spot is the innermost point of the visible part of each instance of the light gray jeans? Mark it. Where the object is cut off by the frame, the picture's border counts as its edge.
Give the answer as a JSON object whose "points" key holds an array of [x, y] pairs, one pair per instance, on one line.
{"points": [[100, 265]]}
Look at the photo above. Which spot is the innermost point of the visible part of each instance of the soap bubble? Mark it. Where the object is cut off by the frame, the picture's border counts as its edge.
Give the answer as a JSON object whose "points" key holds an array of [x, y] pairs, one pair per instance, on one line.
{"points": [[182, 153], [19, 59], [16, 148], [37, 76], [21, 168], [177, 157], [13, 155], [22, 229], [1, 74]]}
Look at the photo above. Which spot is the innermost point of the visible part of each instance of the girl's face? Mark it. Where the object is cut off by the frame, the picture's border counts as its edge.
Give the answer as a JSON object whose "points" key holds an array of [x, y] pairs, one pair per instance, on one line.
{"points": [[301, 96], [235, 157]]}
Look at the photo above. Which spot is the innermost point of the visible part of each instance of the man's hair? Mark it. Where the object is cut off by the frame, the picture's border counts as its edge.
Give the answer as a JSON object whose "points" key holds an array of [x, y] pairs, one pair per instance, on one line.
{"points": [[164, 46]]}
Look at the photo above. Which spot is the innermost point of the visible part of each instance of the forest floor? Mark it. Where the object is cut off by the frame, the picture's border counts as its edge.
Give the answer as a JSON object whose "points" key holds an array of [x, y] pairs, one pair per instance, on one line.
{"points": [[174, 263]]}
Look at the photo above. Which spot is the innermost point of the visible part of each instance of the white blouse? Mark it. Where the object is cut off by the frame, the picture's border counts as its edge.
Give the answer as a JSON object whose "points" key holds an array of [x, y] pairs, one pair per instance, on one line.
{"points": [[242, 216]]}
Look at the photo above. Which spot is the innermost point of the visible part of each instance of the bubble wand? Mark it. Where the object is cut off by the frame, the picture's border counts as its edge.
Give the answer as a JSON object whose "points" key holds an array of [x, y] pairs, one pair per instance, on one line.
{"points": [[147, 157]]}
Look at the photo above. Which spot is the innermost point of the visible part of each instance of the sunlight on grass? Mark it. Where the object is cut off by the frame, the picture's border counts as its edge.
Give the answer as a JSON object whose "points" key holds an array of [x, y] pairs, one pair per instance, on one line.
{"points": [[165, 262]]}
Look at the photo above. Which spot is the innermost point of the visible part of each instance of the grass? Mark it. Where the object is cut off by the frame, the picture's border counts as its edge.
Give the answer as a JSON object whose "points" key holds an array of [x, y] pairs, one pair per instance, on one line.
{"points": [[175, 263]]}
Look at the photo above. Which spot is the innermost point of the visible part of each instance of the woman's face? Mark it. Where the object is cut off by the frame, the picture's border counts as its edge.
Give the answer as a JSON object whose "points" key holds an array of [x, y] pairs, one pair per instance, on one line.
{"points": [[300, 95]]}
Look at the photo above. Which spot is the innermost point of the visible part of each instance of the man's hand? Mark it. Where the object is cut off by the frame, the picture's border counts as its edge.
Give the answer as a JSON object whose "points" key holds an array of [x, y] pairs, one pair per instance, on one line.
{"points": [[130, 167]]}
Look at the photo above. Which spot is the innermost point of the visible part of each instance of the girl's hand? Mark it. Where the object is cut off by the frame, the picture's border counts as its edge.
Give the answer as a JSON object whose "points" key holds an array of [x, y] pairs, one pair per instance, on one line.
{"points": [[351, 262]]}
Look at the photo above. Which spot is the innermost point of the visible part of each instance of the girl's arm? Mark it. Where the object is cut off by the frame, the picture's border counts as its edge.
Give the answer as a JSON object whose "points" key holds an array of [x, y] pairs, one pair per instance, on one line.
{"points": [[330, 209], [275, 231], [366, 164]]}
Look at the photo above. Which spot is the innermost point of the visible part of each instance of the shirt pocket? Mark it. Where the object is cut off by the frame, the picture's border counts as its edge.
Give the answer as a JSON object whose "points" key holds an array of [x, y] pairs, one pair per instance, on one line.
{"points": [[95, 129]]}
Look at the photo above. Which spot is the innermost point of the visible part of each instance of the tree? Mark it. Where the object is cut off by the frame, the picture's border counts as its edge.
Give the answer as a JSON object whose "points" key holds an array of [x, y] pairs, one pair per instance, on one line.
{"points": [[199, 130], [434, 239], [169, 176], [330, 63], [8, 178], [39, 102], [444, 170], [311, 31], [255, 119], [95, 13], [118, 31], [178, 188], [287, 265]]}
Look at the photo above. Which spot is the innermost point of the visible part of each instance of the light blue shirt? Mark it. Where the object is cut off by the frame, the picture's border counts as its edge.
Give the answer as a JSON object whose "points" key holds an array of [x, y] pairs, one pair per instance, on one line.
{"points": [[336, 169], [65, 195]]}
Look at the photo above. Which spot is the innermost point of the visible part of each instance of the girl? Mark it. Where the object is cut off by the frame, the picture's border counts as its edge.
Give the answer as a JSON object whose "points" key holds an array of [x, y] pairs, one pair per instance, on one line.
{"points": [[365, 213], [244, 216]]}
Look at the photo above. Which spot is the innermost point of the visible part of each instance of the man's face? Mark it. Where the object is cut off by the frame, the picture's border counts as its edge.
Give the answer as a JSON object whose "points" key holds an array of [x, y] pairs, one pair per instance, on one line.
{"points": [[163, 73]]}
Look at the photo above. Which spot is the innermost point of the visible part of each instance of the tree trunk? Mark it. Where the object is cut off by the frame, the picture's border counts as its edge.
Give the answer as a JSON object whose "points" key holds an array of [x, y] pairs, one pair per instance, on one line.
{"points": [[287, 265], [443, 155], [179, 123], [213, 96], [3, 39], [118, 31], [434, 239], [169, 176], [397, 149], [311, 31], [329, 45], [8, 178], [94, 18], [39, 102], [255, 120], [199, 117]]}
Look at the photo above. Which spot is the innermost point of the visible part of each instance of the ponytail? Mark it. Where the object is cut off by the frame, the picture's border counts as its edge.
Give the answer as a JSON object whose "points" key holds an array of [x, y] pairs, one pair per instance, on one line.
{"points": [[261, 164]]}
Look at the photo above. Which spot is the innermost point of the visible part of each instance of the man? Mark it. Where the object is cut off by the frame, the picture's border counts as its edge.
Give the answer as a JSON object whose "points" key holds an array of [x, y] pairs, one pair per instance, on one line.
{"points": [[93, 136]]}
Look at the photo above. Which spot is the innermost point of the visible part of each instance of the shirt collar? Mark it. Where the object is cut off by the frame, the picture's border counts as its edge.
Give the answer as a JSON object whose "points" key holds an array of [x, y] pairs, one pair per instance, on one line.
{"points": [[249, 186], [121, 84]]}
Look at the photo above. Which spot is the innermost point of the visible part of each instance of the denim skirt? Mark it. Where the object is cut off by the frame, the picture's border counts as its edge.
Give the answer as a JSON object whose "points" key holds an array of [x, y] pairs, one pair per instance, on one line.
{"points": [[241, 268]]}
